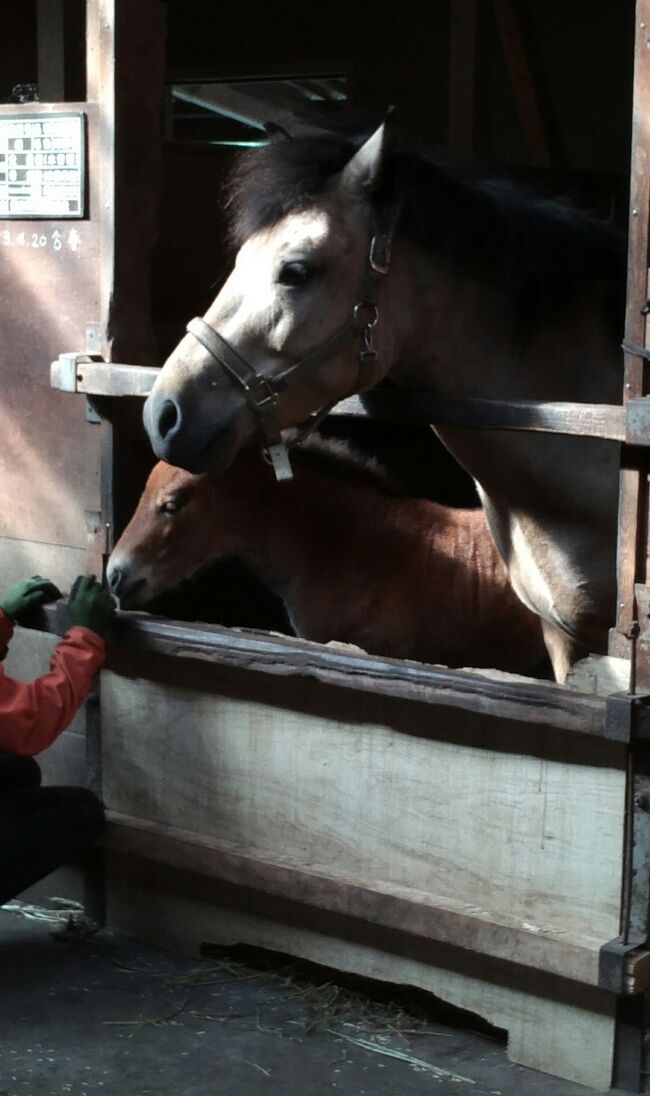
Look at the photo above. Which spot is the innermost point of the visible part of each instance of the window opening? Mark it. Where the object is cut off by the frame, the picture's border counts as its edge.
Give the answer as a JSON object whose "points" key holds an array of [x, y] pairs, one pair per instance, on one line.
{"points": [[234, 113]]}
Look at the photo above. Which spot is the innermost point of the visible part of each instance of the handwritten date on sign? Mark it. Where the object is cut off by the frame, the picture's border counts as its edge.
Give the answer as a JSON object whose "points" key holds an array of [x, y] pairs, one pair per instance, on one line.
{"points": [[54, 240]]}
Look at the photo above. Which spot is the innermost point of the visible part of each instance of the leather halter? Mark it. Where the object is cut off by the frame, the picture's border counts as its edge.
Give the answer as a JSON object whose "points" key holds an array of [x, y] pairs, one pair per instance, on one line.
{"points": [[262, 392]]}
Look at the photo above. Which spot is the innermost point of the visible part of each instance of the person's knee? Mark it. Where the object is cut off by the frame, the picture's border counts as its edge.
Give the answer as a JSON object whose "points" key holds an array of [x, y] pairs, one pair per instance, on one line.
{"points": [[18, 771], [30, 772], [91, 814]]}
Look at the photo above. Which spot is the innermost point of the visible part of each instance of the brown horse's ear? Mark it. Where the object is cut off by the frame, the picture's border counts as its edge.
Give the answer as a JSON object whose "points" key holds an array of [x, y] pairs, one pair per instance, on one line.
{"points": [[364, 172]]}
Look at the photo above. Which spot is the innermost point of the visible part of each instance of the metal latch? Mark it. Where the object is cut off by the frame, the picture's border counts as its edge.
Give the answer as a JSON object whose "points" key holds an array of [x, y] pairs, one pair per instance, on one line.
{"points": [[63, 371]]}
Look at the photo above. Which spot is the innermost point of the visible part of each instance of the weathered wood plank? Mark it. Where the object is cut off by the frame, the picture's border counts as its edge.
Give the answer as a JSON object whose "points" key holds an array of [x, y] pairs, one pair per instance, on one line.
{"points": [[599, 674], [385, 796], [503, 695], [419, 408], [633, 488], [432, 917], [103, 378], [582, 419]]}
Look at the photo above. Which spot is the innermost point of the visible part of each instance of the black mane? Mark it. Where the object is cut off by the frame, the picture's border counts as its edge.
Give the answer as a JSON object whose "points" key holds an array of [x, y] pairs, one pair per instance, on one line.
{"points": [[539, 254]]}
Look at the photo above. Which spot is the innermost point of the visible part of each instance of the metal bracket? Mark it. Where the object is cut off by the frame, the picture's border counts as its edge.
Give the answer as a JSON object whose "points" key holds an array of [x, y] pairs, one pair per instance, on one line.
{"points": [[92, 414], [637, 421], [628, 721], [612, 965], [628, 717], [63, 371], [95, 340], [97, 536]]}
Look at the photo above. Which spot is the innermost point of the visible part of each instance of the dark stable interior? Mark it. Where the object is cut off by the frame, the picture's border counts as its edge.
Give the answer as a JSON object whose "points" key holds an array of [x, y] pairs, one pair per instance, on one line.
{"points": [[349, 63]]}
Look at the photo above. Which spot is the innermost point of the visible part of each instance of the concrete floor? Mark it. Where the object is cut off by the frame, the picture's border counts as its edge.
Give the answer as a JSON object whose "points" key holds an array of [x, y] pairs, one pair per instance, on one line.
{"points": [[101, 1015]]}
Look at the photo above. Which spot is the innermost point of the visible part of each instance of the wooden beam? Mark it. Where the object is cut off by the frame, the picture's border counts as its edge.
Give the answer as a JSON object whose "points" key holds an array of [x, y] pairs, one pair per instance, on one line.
{"points": [[523, 85], [49, 21], [491, 693], [78, 373], [582, 419], [592, 420], [633, 491], [555, 951]]}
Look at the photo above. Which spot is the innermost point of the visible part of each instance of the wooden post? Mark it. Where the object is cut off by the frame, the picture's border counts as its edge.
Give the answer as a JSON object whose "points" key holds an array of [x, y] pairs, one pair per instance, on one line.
{"points": [[125, 42], [50, 51], [633, 498], [527, 102]]}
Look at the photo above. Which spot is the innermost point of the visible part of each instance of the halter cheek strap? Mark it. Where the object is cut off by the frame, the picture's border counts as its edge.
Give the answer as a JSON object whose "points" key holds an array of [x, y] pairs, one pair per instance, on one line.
{"points": [[261, 393]]}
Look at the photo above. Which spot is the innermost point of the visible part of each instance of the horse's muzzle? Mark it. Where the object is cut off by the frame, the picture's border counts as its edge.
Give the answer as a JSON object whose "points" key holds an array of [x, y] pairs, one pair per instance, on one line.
{"points": [[122, 585], [193, 431]]}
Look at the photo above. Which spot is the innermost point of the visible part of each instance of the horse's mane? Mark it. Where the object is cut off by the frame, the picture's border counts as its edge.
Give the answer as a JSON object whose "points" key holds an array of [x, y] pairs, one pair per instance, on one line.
{"points": [[338, 458], [540, 254]]}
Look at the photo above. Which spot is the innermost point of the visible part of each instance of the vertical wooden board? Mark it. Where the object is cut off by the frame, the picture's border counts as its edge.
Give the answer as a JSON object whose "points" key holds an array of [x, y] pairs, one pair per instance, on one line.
{"points": [[571, 1038], [21, 558], [50, 455], [349, 793], [632, 530]]}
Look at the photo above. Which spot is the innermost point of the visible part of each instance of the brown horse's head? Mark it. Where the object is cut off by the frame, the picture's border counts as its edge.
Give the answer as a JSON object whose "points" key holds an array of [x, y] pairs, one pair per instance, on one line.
{"points": [[299, 272], [169, 537]]}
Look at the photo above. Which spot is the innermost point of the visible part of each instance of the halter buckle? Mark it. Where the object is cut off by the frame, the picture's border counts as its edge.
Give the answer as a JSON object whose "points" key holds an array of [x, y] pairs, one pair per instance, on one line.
{"points": [[260, 392], [379, 254], [370, 320]]}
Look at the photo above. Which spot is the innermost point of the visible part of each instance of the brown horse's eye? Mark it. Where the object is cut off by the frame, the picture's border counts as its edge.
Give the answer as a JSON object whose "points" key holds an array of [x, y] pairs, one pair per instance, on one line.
{"points": [[169, 506], [294, 273]]}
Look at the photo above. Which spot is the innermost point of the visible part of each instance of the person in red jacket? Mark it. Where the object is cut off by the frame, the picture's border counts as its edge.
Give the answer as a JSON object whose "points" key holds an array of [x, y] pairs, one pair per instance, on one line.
{"points": [[41, 828]]}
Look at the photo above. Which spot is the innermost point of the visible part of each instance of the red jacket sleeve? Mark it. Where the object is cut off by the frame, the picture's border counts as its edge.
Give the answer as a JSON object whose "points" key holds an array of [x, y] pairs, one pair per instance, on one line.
{"points": [[33, 714]]}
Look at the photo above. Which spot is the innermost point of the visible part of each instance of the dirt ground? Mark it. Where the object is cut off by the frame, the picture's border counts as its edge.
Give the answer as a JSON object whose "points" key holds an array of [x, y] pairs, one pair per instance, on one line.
{"points": [[101, 1015]]}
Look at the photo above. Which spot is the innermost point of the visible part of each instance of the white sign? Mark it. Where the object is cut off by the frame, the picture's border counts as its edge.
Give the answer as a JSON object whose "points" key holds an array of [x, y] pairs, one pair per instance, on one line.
{"points": [[42, 165]]}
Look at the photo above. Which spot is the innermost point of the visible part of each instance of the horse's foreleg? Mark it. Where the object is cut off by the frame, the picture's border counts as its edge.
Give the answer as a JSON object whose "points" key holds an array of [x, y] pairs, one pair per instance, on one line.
{"points": [[563, 651]]}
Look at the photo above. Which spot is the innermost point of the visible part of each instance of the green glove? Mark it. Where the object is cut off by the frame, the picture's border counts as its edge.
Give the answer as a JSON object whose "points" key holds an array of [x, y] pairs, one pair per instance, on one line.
{"points": [[31, 594], [90, 605]]}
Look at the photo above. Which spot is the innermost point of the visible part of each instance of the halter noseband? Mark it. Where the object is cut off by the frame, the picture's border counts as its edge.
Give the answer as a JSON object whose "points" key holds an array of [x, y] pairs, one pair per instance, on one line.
{"points": [[261, 392]]}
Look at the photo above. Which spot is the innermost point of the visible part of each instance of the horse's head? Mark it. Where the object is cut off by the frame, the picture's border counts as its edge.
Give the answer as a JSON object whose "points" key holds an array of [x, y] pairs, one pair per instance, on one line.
{"points": [[168, 538], [292, 329]]}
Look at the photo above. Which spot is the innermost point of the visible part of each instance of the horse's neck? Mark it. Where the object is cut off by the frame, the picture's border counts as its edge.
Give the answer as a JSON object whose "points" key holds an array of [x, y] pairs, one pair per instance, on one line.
{"points": [[455, 338], [291, 533], [551, 500], [455, 335], [322, 539]]}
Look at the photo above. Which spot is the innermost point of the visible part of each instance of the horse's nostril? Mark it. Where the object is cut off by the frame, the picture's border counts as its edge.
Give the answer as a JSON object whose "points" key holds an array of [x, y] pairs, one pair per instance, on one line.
{"points": [[114, 576], [122, 586], [169, 418]]}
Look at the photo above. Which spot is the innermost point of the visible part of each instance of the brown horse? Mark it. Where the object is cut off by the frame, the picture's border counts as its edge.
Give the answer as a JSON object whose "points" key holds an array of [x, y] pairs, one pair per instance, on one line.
{"points": [[487, 293], [350, 555]]}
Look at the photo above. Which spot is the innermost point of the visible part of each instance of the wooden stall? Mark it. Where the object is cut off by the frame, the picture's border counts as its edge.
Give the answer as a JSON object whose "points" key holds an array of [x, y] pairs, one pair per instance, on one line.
{"points": [[477, 835]]}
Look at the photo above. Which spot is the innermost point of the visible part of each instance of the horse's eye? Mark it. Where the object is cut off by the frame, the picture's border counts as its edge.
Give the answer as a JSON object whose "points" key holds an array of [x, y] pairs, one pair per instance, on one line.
{"points": [[294, 273], [169, 506]]}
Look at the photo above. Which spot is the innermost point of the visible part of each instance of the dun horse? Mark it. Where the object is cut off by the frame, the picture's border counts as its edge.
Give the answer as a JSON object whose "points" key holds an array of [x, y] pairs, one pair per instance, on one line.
{"points": [[352, 558], [484, 293]]}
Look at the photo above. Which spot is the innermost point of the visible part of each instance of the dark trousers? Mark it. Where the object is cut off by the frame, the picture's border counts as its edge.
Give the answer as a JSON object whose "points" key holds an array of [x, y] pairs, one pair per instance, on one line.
{"points": [[40, 828]]}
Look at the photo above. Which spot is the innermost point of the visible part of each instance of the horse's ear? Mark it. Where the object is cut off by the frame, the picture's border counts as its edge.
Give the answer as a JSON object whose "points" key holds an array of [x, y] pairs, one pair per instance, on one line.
{"points": [[364, 172]]}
